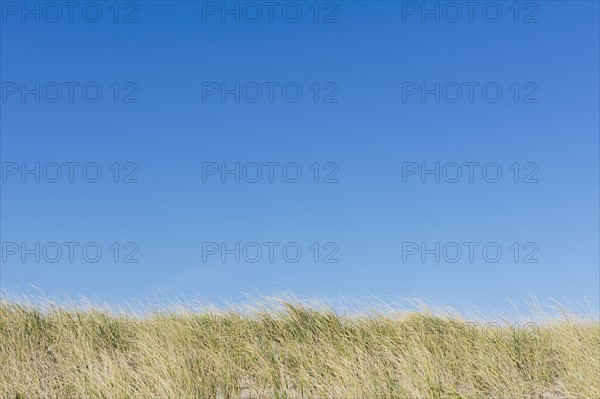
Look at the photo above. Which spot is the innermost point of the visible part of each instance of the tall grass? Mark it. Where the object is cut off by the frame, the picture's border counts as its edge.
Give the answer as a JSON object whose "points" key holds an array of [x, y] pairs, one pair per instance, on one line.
{"points": [[291, 350]]}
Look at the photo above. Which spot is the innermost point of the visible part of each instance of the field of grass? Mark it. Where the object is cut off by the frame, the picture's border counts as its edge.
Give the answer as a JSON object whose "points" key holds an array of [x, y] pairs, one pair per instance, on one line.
{"points": [[291, 350]]}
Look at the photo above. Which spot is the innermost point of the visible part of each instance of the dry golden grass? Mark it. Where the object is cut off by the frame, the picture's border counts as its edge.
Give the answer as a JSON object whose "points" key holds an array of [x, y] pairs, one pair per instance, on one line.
{"points": [[290, 351]]}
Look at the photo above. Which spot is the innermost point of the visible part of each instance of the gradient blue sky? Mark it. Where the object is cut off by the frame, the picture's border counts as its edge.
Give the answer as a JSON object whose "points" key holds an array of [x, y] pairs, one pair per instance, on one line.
{"points": [[368, 133]]}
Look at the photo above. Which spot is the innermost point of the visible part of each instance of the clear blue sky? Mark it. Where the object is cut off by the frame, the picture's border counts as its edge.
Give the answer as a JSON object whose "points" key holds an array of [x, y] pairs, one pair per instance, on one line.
{"points": [[369, 74]]}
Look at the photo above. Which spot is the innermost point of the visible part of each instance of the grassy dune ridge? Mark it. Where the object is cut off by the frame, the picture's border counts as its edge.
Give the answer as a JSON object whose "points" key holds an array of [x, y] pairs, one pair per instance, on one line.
{"points": [[289, 349]]}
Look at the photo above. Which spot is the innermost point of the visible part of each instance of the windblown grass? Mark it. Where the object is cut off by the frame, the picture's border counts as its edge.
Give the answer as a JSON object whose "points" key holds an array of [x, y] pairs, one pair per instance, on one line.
{"points": [[292, 350]]}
